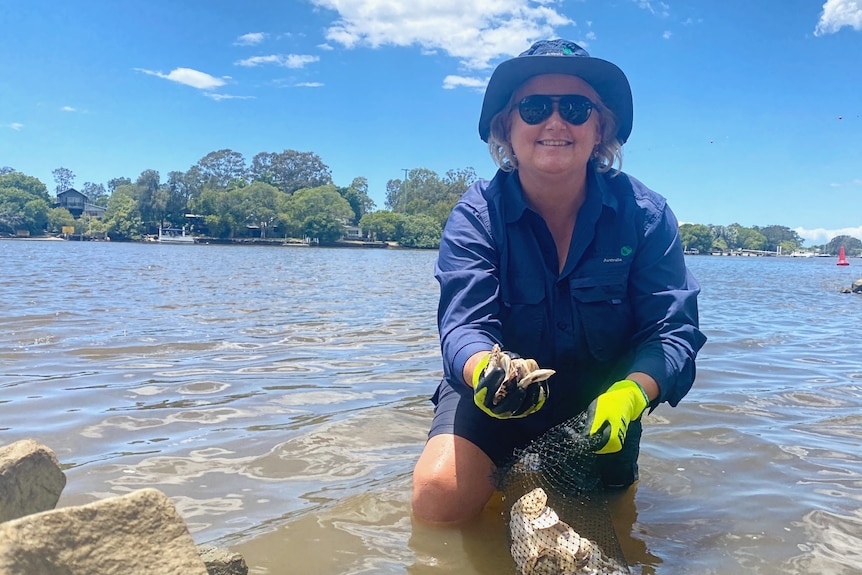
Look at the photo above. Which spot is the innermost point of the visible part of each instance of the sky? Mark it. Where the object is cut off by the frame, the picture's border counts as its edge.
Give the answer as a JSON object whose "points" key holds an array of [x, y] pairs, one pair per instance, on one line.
{"points": [[745, 112]]}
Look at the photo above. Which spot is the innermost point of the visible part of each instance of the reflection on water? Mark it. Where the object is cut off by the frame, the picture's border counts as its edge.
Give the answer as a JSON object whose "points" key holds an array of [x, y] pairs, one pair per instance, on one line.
{"points": [[279, 397]]}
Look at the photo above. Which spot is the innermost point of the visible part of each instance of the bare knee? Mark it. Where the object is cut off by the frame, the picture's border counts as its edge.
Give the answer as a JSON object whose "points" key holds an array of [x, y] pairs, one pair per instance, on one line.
{"points": [[452, 480]]}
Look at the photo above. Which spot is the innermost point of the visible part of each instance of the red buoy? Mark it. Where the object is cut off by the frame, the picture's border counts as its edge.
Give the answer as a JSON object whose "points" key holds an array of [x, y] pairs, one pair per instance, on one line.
{"points": [[842, 261]]}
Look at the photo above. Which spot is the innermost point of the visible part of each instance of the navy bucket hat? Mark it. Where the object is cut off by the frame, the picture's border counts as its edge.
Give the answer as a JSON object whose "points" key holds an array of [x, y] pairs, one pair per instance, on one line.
{"points": [[559, 57]]}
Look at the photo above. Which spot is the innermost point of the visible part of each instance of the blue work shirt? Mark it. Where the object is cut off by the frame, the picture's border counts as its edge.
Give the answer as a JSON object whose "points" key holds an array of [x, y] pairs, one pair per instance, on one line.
{"points": [[624, 302]]}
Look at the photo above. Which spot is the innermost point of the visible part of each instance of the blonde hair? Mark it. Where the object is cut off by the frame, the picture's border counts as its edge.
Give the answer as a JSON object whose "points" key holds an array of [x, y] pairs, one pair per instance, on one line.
{"points": [[607, 152]]}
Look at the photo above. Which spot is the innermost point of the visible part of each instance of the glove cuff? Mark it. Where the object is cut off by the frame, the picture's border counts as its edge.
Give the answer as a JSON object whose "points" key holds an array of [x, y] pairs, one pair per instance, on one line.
{"points": [[631, 385], [480, 367]]}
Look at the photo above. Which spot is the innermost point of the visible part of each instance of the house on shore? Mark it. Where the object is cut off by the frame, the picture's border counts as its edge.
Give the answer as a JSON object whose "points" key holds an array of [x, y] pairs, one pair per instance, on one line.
{"points": [[78, 204]]}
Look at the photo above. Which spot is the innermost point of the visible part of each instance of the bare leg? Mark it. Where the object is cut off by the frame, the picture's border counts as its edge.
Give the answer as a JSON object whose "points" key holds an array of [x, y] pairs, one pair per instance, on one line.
{"points": [[452, 480]]}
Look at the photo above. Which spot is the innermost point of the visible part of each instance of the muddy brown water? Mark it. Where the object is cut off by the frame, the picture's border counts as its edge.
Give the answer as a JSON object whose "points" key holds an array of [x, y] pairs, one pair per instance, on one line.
{"points": [[279, 396]]}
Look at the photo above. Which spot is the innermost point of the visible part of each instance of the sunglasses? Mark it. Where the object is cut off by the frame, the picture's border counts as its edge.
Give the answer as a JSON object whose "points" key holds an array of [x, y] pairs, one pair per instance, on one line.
{"points": [[574, 108]]}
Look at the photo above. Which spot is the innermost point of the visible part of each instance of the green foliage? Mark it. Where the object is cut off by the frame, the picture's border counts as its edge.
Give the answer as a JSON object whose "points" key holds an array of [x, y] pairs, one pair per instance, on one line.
{"points": [[382, 225], [318, 207], [424, 192], [852, 246], [696, 237], [749, 238], [122, 219], [24, 204], [220, 169], [59, 218], [323, 227], [420, 232], [782, 236], [290, 170], [64, 178], [357, 196]]}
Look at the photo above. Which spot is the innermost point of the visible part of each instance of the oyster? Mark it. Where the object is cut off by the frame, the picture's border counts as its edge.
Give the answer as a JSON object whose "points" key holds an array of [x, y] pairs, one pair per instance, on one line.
{"points": [[542, 544], [520, 373]]}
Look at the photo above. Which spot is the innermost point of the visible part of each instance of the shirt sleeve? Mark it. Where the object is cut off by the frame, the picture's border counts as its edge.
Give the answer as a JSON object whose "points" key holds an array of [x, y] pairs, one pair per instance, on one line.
{"points": [[664, 299], [468, 272]]}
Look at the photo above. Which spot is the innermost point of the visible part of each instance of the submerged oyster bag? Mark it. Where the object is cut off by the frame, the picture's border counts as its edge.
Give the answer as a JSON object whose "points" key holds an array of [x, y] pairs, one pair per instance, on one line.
{"points": [[559, 523]]}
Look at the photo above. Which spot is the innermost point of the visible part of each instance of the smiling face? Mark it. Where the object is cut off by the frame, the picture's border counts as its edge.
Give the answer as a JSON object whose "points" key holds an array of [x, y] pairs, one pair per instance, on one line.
{"points": [[554, 147]]}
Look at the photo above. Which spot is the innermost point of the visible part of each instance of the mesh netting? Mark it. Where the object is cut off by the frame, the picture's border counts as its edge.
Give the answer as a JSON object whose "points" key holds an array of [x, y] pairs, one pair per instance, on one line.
{"points": [[559, 522]]}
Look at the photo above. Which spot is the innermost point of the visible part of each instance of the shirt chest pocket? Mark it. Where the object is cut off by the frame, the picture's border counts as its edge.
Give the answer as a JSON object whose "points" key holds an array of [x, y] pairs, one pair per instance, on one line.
{"points": [[601, 303], [523, 312]]}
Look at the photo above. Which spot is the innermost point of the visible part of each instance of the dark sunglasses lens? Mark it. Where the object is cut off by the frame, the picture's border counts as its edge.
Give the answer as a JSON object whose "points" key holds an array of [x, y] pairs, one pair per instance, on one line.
{"points": [[535, 109], [575, 109]]}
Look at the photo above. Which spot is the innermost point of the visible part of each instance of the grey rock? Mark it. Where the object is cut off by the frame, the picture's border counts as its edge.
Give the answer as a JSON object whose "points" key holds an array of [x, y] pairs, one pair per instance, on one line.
{"points": [[221, 561], [31, 480], [857, 286], [136, 534]]}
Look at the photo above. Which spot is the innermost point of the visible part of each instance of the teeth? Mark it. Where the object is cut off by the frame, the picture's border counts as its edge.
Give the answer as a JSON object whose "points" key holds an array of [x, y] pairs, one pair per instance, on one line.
{"points": [[554, 143]]}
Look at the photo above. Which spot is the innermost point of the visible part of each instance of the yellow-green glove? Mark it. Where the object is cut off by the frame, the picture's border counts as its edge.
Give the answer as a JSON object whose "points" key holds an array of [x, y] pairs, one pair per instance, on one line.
{"points": [[505, 385], [610, 413]]}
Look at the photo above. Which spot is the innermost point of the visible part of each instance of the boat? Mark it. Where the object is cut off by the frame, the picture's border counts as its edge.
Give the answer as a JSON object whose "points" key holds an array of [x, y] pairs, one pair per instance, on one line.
{"points": [[174, 236]]}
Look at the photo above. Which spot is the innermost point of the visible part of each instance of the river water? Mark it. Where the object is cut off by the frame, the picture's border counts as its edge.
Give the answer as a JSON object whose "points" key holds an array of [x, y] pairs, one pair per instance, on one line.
{"points": [[279, 397]]}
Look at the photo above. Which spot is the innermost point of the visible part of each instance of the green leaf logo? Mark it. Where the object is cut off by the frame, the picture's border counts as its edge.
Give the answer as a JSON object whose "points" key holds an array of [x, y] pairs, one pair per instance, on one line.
{"points": [[625, 251]]}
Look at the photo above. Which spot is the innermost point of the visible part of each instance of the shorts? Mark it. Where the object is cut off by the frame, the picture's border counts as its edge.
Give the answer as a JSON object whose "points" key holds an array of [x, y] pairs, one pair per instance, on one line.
{"points": [[456, 414]]}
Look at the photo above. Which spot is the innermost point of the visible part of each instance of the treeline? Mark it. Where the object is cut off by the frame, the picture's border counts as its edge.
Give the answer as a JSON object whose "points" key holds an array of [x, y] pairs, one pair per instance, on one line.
{"points": [[707, 239], [288, 194], [291, 194]]}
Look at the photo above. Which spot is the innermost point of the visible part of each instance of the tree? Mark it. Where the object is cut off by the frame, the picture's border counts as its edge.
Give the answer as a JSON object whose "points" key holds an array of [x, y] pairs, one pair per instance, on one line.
{"points": [[25, 183], [6, 170], [420, 231], [424, 192], [696, 237], [382, 225], [115, 183], [58, 218], [782, 236], [122, 219], [64, 178], [852, 246], [265, 203], [95, 193], [749, 238], [24, 203], [319, 208], [357, 196], [221, 169], [290, 170], [151, 204]]}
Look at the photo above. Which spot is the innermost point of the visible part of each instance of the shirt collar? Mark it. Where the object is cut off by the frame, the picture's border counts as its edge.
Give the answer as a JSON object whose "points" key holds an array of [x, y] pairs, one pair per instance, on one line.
{"points": [[513, 193]]}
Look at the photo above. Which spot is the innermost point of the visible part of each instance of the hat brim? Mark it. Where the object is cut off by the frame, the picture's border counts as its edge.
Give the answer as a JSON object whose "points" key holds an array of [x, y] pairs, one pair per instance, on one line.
{"points": [[605, 77]]}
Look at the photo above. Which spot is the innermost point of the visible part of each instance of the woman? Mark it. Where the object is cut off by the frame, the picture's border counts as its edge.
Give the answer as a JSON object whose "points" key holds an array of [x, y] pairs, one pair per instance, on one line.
{"points": [[565, 261]]}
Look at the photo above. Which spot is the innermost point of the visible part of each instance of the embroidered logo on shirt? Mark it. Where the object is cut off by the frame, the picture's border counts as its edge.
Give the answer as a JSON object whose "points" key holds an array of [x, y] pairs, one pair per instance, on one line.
{"points": [[625, 251]]}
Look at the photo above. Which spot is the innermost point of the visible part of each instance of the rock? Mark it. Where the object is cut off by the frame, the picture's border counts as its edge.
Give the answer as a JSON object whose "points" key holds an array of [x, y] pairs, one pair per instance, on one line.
{"points": [[136, 534], [31, 480], [222, 561], [857, 286]]}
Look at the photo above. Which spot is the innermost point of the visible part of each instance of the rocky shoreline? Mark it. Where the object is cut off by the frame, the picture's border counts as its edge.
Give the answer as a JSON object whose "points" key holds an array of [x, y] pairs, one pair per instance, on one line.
{"points": [[140, 533]]}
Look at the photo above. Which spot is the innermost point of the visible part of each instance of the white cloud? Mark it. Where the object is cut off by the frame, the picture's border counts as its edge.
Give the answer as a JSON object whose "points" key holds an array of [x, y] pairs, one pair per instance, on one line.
{"points": [[68, 109], [820, 236], [837, 14], [486, 29], [657, 8], [188, 77], [667, 34], [452, 82], [250, 39], [310, 85], [288, 61], [16, 126], [220, 97]]}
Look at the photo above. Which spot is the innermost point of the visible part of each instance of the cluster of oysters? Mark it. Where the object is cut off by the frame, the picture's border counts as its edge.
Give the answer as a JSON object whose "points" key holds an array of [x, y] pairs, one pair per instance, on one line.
{"points": [[542, 544]]}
